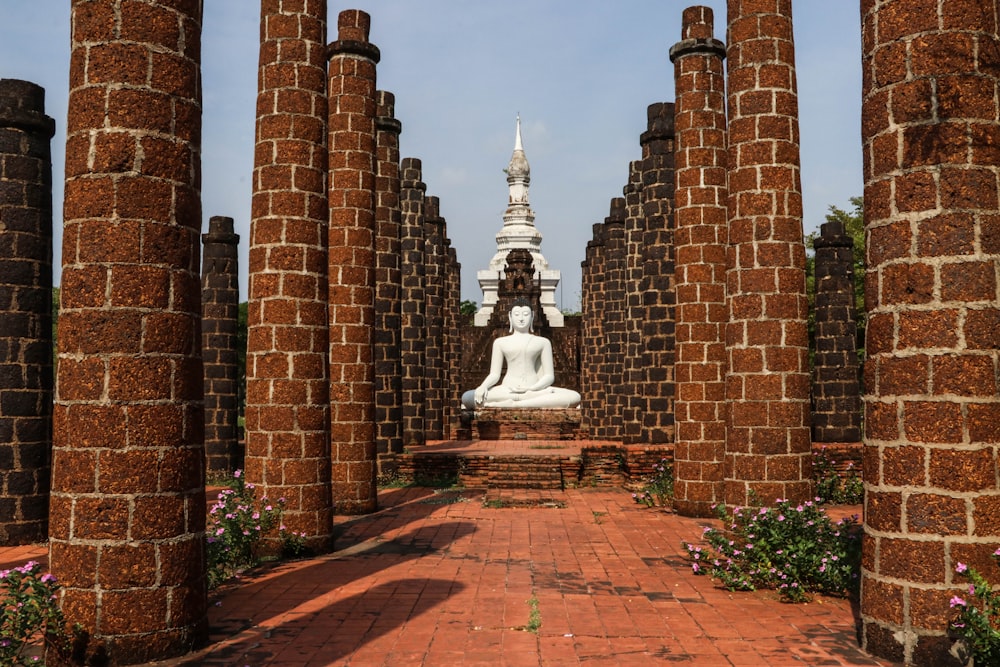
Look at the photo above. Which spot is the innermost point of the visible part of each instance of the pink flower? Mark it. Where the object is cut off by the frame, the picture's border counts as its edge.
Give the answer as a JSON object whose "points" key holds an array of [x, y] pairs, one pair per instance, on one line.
{"points": [[957, 601], [237, 474], [961, 567]]}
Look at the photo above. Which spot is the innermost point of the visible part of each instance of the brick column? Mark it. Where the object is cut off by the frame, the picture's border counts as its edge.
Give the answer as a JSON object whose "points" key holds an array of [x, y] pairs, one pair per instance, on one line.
{"points": [[632, 381], [388, 390], [932, 407], [412, 332], [434, 289], [592, 405], [700, 245], [287, 410], [220, 305], [127, 512], [352, 263], [25, 312], [453, 358], [836, 399], [657, 284], [612, 314], [768, 449]]}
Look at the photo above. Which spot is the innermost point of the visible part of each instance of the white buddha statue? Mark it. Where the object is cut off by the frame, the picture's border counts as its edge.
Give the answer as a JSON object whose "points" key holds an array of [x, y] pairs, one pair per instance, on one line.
{"points": [[529, 378]]}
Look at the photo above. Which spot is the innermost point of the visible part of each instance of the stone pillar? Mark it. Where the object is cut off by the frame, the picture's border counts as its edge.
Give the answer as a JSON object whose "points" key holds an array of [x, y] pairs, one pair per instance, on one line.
{"points": [[127, 511], [768, 449], [434, 290], [389, 388], [932, 404], [632, 381], [412, 331], [700, 246], [287, 409], [592, 405], [836, 400], [352, 263], [25, 312], [453, 359], [612, 314], [657, 284], [220, 305]]}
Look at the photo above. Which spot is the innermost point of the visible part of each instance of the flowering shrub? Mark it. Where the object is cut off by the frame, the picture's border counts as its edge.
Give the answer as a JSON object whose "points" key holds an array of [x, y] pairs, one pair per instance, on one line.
{"points": [[30, 617], [831, 487], [659, 488], [793, 548], [237, 523], [978, 617]]}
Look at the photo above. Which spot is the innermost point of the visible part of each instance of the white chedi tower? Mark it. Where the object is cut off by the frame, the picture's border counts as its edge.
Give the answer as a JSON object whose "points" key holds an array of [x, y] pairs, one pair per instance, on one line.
{"points": [[518, 231]]}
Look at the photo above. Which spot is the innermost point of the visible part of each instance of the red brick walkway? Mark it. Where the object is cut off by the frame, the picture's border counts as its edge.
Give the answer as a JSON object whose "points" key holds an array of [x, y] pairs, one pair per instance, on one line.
{"points": [[452, 577]]}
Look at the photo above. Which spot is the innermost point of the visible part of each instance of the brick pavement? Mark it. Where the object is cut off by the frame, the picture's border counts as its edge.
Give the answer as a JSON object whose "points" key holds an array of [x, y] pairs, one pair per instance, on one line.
{"points": [[450, 577]]}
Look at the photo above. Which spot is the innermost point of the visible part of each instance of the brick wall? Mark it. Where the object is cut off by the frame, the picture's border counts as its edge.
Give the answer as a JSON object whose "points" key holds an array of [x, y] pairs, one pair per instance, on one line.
{"points": [[412, 331]]}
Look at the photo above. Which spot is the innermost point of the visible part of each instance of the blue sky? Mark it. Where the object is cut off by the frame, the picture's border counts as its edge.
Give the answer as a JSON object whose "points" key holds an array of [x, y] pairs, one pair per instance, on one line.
{"points": [[580, 73]]}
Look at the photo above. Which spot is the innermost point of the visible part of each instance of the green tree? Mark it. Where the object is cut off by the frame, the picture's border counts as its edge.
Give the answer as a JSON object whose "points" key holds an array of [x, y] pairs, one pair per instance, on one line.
{"points": [[468, 307]]}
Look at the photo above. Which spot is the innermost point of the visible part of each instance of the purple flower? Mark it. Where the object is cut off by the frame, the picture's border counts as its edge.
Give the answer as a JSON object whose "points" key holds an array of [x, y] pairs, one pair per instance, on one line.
{"points": [[48, 578]]}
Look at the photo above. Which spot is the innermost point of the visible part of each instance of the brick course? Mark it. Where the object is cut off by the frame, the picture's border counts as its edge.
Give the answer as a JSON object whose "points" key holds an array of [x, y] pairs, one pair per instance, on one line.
{"points": [[128, 488]]}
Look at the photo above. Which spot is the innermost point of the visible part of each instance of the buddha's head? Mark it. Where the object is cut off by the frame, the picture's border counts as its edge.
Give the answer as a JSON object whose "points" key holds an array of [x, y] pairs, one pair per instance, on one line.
{"points": [[521, 316]]}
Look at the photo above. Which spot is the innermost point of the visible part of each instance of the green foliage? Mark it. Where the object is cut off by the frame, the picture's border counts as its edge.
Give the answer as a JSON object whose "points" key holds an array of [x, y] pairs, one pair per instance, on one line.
{"points": [[978, 617], [794, 549], [831, 487], [237, 524], [30, 619], [534, 616], [658, 489], [468, 307]]}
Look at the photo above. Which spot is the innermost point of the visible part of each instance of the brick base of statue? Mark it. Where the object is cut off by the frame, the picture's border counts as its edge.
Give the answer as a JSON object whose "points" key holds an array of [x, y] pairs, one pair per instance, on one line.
{"points": [[522, 424]]}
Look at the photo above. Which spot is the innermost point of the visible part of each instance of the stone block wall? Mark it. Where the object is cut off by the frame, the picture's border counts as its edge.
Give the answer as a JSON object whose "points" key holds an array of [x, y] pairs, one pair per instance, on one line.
{"points": [[127, 511], [932, 404], [26, 383]]}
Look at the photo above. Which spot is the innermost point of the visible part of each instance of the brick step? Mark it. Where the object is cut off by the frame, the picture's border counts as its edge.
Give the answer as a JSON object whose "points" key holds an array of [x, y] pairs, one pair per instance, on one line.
{"points": [[513, 472]]}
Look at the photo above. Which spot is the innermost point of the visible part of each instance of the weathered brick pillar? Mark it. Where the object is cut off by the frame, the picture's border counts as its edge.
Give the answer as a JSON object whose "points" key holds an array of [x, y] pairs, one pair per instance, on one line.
{"points": [[434, 291], [932, 405], [287, 409], [657, 284], [767, 441], [700, 246], [127, 513], [352, 263], [453, 360], [25, 312], [389, 388], [412, 331], [612, 313], [220, 305], [592, 390], [836, 399], [632, 381]]}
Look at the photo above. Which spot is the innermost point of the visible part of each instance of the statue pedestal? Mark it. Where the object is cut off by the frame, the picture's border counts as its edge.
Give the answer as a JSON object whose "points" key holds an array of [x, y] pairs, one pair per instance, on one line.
{"points": [[526, 424]]}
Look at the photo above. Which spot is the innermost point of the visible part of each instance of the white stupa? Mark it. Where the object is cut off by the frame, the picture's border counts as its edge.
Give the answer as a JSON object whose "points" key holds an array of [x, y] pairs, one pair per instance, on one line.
{"points": [[518, 231]]}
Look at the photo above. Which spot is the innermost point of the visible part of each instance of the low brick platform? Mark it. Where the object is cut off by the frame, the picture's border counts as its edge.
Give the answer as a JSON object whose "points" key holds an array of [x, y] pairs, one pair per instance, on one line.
{"points": [[523, 424], [523, 464]]}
